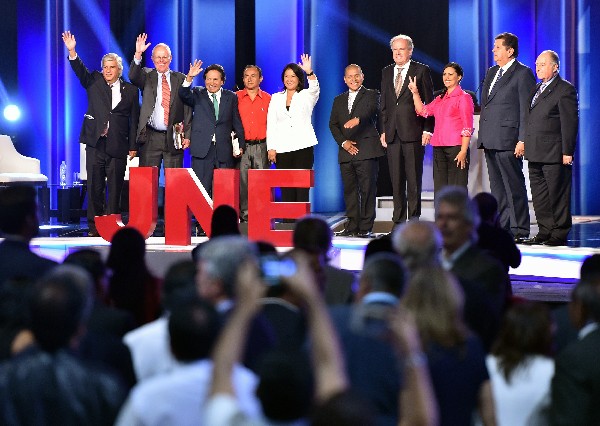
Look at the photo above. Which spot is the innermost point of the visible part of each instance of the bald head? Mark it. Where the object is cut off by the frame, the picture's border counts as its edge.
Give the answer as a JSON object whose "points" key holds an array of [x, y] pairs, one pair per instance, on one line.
{"points": [[417, 242]]}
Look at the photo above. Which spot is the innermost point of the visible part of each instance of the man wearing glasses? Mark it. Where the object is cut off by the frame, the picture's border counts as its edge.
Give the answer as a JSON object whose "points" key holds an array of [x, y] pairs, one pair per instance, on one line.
{"points": [[165, 122]]}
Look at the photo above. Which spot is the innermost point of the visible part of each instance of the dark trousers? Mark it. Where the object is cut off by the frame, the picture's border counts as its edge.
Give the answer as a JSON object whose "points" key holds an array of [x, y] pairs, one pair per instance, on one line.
{"points": [[254, 157], [445, 171], [102, 171], [205, 167], [301, 159], [405, 161], [155, 151], [360, 190], [551, 195], [508, 186]]}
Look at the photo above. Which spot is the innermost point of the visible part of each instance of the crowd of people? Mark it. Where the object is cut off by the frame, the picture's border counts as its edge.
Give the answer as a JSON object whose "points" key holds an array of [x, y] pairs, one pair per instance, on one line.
{"points": [[428, 333]]}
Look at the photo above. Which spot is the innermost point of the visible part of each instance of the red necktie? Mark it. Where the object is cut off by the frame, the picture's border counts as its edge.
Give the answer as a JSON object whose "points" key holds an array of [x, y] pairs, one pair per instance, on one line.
{"points": [[166, 98]]}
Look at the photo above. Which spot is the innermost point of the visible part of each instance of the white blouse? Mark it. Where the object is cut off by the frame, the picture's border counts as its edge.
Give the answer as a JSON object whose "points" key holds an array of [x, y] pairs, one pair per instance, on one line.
{"points": [[292, 130]]}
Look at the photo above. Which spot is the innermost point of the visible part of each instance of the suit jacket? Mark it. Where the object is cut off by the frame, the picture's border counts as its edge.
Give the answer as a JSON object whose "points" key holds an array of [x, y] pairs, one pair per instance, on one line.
{"points": [[365, 135], [146, 79], [397, 114], [18, 261], [205, 125], [123, 119], [552, 123], [576, 383], [502, 121]]}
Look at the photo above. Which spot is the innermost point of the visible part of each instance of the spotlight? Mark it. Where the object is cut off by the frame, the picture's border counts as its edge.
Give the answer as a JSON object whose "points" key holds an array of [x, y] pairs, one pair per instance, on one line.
{"points": [[12, 113]]}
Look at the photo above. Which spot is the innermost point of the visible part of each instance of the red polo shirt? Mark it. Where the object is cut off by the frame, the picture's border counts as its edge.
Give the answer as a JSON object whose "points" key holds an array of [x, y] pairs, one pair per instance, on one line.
{"points": [[254, 113]]}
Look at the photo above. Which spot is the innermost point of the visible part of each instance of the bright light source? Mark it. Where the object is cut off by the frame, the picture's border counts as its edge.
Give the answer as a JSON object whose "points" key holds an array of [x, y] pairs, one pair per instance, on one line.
{"points": [[12, 113]]}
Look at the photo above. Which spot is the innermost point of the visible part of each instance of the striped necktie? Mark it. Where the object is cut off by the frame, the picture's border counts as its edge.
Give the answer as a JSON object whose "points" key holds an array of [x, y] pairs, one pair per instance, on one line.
{"points": [[398, 82], [538, 93], [166, 97]]}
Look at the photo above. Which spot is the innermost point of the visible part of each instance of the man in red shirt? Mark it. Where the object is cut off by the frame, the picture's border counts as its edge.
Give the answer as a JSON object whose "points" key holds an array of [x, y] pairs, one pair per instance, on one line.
{"points": [[253, 104]]}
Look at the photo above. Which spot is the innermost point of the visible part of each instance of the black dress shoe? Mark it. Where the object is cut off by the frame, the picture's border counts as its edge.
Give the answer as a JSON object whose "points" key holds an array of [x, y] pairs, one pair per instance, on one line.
{"points": [[367, 234], [345, 233], [537, 240], [519, 239], [555, 242]]}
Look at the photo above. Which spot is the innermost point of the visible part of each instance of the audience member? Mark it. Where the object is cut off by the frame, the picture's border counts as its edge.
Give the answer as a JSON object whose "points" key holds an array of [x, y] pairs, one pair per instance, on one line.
{"points": [[45, 384], [177, 397], [370, 357], [149, 344], [220, 260], [520, 367], [456, 358], [484, 280], [497, 241], [15, 327], [418, 243], [576, 382], [19, 224], [224, 221], [379, 245], [132, 287], [313, 235]]}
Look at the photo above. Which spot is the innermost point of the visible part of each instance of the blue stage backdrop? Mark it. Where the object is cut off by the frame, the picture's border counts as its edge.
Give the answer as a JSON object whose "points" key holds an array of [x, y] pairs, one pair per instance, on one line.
{"points": [[334, 32]]}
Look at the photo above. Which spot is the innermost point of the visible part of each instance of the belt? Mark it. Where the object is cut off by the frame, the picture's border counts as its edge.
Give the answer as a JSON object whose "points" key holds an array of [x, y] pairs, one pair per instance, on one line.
{"points": [[255, 141], [164, 132]]}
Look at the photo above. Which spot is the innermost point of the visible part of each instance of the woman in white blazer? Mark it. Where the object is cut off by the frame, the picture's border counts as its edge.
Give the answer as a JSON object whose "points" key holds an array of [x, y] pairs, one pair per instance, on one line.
{"points": [[290, 134]]}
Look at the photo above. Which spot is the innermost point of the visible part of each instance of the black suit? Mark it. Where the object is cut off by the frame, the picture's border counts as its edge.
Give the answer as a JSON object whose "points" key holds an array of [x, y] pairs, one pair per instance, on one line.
{"points": [[501, 126], [403, 130], [206, 154], [106, 156], [552, 123], [359, 172], [155, 146], [576, 383]]}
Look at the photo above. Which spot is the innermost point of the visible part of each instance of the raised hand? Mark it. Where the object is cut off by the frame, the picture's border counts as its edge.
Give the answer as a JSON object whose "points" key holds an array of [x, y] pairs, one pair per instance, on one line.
{"points": [[69, 40], [306, 63], [140, 43], [412, 85], [195, 69]]}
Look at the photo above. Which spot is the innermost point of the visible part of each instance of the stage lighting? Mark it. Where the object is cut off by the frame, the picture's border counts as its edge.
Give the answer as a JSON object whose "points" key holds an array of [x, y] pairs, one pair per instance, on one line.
{"points": [[12, 113]]}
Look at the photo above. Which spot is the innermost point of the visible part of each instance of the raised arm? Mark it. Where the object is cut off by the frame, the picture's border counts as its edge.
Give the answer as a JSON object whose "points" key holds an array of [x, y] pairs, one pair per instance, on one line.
{"points": [[70, 43], [136, 76], [83, 74], [412, 86], [141, 46]]}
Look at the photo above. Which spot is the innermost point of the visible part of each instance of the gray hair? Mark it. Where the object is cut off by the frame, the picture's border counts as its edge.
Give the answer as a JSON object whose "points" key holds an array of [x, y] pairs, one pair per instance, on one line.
{"points": [[113, 57], [458, 197], [402, 37], [222, 256], [553, 56], [418, 243], [167, 48]]}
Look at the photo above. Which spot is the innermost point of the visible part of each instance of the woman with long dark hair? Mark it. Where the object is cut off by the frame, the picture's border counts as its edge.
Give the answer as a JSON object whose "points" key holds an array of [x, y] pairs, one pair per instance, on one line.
{"points": [[290, 134], [453, 111]]}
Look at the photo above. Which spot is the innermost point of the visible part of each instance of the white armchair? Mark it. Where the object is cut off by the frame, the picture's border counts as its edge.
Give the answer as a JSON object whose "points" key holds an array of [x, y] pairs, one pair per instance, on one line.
{"points": [[15, 167]]}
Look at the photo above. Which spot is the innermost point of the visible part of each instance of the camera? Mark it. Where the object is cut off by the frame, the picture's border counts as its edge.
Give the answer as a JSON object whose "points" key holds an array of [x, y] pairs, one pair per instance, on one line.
{"points": [[274, 268]]}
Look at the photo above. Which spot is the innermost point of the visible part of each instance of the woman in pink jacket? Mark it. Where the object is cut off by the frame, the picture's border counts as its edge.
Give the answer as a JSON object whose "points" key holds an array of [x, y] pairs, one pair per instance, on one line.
{"points": [[453, 111]]}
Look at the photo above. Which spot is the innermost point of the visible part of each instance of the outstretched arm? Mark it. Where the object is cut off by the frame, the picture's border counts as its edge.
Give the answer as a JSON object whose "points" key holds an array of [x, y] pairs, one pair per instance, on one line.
{"points": [[141, 46], [70, 43]]}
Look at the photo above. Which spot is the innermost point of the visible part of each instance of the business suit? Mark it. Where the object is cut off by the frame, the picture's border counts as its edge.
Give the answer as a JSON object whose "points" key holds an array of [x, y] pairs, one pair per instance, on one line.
{"points": [[206, 154], [106, 156], [576, 383], [403, 130], [501, 126], [552, 123], [359, 172], [157, 146]]}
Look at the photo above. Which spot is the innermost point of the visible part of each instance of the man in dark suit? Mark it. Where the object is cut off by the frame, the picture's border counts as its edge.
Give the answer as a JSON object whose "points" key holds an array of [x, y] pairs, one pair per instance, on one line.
{"points": [[18, 225], [404, 133], [576, 382], [162, 108], [352, 123], [504, 103], [216, 115], [108, 131], [484, 280], [552, 121]]}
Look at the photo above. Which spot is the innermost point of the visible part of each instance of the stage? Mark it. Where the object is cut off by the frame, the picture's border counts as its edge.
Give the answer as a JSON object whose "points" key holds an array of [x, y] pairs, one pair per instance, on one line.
{"points": [[545, 273]]}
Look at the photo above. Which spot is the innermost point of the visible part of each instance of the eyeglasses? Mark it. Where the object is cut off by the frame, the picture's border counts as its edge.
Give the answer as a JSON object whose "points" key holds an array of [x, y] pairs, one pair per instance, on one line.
{"points": [[161, 58]]}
